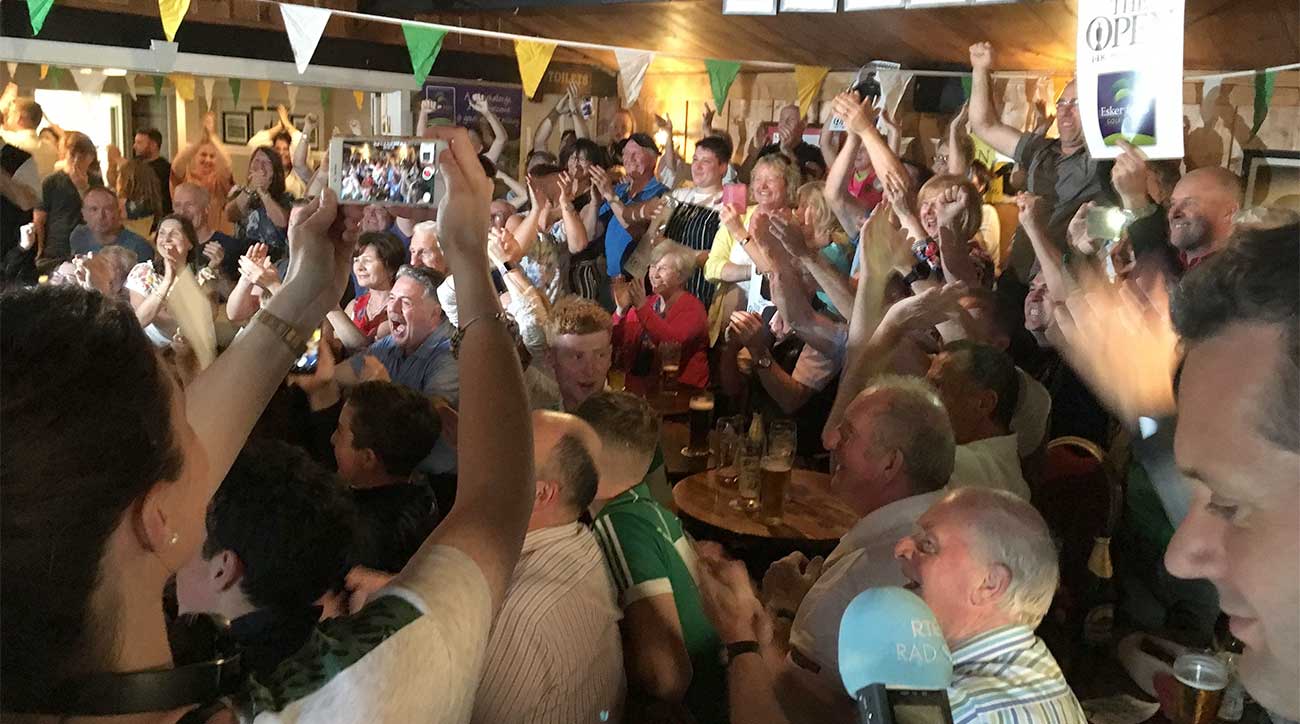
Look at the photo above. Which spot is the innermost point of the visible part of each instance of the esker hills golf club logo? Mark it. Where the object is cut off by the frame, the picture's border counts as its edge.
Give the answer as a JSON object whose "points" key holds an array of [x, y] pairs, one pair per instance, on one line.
{"points": [[1125, 110]]}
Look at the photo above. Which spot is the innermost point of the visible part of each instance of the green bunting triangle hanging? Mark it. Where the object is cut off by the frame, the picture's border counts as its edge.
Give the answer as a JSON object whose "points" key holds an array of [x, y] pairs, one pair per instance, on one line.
{"points": [[1264, 81], [722, 73], [38, 9], [423, 44], [965, 86], [157, 85], [235, 84], [325, 95]]}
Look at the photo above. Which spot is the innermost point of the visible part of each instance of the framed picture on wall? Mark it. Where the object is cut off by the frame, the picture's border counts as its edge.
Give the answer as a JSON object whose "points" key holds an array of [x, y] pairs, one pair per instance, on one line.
{"points": [[1272, 178], [299, 122], [234, 127], [263, 118]]}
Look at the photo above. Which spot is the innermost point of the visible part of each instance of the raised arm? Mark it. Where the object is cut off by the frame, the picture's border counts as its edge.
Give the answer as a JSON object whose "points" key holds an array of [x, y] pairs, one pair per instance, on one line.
{"points": [[499, 136], [1033, 217], [984, 120], [858, 117], [960, 149], [542, 136], [579, 123], [847, 209], [495, 487], [301, 145], [512, 183], [575, 229]]}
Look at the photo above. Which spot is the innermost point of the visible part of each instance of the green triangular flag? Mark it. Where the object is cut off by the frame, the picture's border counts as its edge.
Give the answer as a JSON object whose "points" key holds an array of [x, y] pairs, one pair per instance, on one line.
{"points": [[38, 9], [1264, 81], [157, 85], [965, 86], [234, 89], [56, 76], [325, 95], [423, 44], [722, 73]]}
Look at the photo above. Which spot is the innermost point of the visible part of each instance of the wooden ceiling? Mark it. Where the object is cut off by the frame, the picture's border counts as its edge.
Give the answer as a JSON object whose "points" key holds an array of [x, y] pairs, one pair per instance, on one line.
{"points": [[1029, 35]]}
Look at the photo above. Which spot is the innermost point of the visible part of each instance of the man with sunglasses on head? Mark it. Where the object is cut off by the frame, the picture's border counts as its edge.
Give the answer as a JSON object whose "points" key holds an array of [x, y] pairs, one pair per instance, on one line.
{"points": [[1059, 168]]}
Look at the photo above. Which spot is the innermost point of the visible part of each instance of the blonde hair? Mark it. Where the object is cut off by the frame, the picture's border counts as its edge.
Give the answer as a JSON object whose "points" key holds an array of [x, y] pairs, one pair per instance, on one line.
{"points": [[969, 223], [813, 195], [786, 168], [576, 315], [681, 255], [137, 182]]}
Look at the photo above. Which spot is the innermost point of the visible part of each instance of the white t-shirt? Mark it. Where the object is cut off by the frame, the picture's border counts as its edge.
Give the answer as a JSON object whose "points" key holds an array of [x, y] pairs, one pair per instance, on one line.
{"points": [[993, 462], [1033, 409], [427, 671]]}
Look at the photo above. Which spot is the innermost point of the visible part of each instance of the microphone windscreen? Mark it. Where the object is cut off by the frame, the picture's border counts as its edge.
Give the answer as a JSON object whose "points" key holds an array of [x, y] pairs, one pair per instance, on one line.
{"points": [[889, 636]]}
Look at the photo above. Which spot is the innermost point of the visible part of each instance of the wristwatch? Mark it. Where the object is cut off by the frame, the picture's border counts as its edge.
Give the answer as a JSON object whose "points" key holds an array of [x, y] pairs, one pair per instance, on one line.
{"points": [[734, 649], [764, 362]]}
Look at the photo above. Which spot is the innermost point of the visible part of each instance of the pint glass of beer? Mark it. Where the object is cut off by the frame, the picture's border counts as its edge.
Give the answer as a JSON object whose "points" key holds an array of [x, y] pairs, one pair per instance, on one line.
{"points": [[1201, 681], [670, 365], [701, 421], [774, 479]]}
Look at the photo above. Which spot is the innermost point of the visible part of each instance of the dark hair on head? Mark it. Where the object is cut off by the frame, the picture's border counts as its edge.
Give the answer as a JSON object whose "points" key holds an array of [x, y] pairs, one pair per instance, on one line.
{"points": [[573, 467], [282, 136], [30, 112], [623, 420], [718, 146], [644, 140], [153, 134], [69, 474], [568, 133], [387, 247], [593, 152], [544, 169], [187, 229], [140, 184], [78, 144], [539, 157], [489, 168], [1255, 280], [277, 170], [397, 423], [289, 520], [990, 369]]}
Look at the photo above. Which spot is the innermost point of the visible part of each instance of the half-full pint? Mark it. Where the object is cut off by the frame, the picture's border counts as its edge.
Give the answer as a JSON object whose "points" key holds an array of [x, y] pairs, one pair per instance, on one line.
{"points": [[774, 479], [1201, 681], [701, 421]]}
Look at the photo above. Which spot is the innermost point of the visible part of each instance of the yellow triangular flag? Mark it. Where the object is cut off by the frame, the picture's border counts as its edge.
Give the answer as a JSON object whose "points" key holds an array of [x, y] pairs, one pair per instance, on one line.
{"points": [[172, 12], [184, 85], [534, 56], [360, 98], [45, 70], [808, 79], [264, 92]]}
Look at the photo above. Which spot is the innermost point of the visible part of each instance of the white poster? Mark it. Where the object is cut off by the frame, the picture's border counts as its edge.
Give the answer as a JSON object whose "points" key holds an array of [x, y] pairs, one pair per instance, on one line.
{"points": [[1130, 76]]}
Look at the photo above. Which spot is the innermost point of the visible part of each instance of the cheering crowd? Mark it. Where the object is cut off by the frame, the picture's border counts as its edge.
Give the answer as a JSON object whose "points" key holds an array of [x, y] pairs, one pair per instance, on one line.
{"points": [[382, 444]]}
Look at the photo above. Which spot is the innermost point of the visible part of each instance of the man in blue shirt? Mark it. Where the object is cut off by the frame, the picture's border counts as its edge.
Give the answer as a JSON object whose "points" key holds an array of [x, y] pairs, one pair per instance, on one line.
{"points": [[623, 203], [103, 227]]}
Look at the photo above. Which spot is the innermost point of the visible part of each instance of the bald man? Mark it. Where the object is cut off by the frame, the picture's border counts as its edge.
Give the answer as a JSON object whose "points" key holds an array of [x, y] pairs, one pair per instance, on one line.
{"points": [[789, 141], [1197, 224]]}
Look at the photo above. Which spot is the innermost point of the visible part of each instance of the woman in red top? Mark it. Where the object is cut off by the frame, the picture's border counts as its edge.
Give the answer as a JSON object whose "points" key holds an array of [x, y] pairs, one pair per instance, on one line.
{"points": [[670, 314], [365, 319]]}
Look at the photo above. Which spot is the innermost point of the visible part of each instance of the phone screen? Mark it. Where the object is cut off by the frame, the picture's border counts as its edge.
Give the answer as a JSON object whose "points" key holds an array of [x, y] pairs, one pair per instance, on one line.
{"points": [[390, 171], [735, 195], [1106, 222]]}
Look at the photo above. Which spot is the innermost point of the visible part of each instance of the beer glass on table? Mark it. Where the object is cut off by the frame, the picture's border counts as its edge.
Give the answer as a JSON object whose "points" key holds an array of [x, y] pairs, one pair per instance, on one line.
{"points": [[774, 480], [670, 365], [617, 372], [731, 432], [749, 462], [1201, 681], [783, 437], [701, 422]]}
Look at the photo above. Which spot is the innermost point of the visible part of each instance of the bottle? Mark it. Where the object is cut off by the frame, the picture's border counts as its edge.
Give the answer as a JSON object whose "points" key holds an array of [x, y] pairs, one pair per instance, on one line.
{"points": [[756, 431], [1228, 649], [1100, 596]]}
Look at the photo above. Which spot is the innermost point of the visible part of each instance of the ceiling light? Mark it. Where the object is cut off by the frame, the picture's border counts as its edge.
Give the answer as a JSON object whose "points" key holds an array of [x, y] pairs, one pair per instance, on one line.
{"points": [[871, 4], [86, 71], [115, 72], [749, 7]]}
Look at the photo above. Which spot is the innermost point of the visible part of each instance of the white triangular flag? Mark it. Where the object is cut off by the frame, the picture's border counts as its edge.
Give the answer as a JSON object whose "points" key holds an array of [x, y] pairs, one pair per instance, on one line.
{"points": [[13, 68], [130, 85], [208, 84], [304, 26], [90, 84], [632, 67], [292, 91], [164, 55], [892, 84]]}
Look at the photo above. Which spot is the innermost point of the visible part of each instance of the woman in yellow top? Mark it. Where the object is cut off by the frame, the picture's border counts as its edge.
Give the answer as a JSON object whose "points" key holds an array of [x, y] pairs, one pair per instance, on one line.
{"points": [[772, 191]]}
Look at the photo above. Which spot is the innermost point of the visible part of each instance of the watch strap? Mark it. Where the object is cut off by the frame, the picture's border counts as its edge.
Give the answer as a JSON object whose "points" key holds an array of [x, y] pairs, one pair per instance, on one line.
{"points": [[292, 339]]}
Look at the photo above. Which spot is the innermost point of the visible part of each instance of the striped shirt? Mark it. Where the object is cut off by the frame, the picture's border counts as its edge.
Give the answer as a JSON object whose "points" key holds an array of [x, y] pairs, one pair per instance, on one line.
{"points": [[694, 223], [555, 654], [1007, 676]]}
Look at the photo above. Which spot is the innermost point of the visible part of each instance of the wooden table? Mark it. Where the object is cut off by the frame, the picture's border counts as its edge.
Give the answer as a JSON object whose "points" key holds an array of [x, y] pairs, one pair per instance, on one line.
{"points": [[813, 520]]}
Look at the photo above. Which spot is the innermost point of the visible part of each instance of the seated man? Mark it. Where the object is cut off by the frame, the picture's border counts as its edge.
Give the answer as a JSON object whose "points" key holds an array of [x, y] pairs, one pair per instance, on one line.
{"points": [[979, 386], [103, 216], [984, 562], [670, 649], [893, 453], [384, 431], [279, 533]]}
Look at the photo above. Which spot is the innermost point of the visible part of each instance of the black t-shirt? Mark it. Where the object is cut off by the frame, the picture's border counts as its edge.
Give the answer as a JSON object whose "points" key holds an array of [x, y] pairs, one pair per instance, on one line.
{"points": [[61, 203], [162, 168], [11, 216], [394, 521]]}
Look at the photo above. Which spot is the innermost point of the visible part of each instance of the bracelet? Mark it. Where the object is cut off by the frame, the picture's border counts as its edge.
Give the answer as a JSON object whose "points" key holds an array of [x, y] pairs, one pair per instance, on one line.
{"points": [[459, 334], [734, 650], [282, 329]]}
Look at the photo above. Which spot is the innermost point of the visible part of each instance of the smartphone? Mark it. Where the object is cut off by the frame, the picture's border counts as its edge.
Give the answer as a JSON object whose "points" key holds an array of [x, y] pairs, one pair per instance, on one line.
{"points": [[1106, 222], [388, 171], [306, 364], [736, 195], [880, 705]]}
